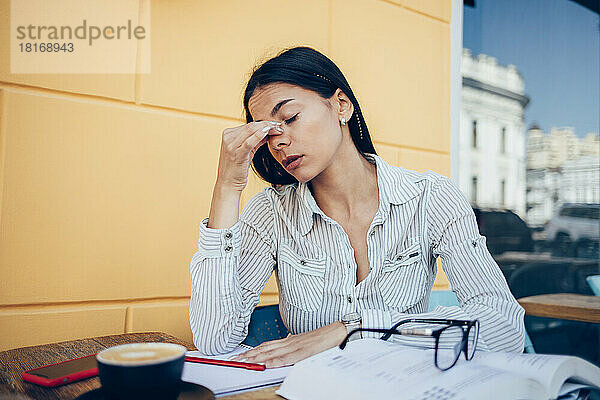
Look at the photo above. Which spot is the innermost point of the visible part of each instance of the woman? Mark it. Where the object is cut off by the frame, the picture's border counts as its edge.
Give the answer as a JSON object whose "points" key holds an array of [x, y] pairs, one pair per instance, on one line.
{"points": [[350, 237]]}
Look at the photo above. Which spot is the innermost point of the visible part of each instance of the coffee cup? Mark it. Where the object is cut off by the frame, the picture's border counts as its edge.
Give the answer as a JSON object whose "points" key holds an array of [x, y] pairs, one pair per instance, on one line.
{"points": [[141, 370]]}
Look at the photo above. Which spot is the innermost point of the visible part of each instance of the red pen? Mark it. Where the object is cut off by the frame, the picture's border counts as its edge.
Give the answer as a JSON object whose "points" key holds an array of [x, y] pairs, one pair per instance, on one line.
{"points": [[226, 363]]}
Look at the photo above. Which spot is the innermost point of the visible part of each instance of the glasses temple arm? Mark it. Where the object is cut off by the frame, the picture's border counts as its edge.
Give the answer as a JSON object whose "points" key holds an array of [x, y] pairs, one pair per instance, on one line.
{"points": [[352, 332]]}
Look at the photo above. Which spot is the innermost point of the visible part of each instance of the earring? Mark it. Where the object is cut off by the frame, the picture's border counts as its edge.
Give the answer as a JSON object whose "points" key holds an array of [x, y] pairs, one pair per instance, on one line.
{"points": [[343, 121]]}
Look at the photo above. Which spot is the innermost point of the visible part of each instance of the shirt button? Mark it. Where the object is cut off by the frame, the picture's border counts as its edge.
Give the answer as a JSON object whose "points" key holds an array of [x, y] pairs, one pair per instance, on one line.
{"points": [[349, 299], [228, 248], [228, 235], [474, 243], [302, 262], [372, 233], [399, 258]]}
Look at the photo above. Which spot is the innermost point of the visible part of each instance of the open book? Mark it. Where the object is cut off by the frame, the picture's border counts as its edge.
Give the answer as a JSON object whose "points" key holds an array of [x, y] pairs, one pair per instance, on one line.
{"points": [[373, 368]]}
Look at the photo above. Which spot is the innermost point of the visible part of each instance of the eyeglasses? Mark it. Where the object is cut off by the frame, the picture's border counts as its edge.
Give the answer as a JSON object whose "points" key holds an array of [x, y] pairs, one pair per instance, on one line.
{"points": [[456, 337]]}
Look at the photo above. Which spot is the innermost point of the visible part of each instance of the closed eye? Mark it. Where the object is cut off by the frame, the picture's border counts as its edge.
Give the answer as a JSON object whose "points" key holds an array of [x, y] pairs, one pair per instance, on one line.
{"points": [[289, 121]]}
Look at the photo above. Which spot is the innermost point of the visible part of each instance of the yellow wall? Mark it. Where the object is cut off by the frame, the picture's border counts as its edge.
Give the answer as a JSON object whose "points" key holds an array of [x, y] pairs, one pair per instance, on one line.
{"points": [[105, 178]]}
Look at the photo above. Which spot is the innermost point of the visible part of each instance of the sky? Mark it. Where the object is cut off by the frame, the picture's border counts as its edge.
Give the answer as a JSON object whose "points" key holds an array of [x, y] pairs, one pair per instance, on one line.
{"points": [[555, 45]]}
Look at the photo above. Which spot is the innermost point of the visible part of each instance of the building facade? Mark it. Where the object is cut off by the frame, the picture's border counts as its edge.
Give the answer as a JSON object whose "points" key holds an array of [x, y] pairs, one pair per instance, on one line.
{"points": [[492, 161], [561, 168]]}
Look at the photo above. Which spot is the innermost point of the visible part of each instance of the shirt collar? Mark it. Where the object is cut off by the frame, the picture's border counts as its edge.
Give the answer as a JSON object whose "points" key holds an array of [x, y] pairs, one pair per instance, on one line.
{"points": [[396, 186]]}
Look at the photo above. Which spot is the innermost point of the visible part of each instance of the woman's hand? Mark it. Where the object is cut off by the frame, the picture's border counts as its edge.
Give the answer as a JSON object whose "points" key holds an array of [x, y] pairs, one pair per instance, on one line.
{"points": [[294, 348], [238, 146]]}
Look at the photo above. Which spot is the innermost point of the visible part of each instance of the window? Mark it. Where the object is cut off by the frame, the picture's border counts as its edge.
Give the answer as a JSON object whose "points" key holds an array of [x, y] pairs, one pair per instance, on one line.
{"points": [[567, 212], [579, 212], [583, 211], [530, 77]]}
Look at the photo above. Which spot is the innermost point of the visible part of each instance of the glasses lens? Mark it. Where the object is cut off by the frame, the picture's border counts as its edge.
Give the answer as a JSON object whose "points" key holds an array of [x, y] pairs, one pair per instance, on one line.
{"points": [[449, 347], [472, 340]]}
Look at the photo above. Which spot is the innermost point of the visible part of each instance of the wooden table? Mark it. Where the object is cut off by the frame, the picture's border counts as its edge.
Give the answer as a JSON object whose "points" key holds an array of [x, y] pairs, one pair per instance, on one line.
{"points": [[574, 307], [14, 362]]}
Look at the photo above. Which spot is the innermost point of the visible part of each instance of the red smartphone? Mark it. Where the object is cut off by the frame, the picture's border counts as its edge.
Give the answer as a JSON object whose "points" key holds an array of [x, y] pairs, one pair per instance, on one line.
{"points": [[63, 372]]}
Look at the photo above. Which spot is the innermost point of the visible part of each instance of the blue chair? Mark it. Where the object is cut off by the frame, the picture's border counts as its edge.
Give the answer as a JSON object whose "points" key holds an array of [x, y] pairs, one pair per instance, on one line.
{"points": [[442, 298], [265, 324], [448, 298], [594, 282]]}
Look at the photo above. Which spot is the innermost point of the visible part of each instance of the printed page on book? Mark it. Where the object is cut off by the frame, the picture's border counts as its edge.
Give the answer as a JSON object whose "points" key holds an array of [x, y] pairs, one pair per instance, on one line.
{"points": [[372, 368], [550, 370], [229, 380]]}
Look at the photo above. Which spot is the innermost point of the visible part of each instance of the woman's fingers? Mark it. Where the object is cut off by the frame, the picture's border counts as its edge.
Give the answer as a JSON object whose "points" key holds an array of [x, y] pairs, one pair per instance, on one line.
{"points": [[273, 353], [271, 131], [249, 135], [280, 357], [294, 348], [277, 353], [237, 148], [286, 359], [255, 148], [262, 348], [250, 353]]}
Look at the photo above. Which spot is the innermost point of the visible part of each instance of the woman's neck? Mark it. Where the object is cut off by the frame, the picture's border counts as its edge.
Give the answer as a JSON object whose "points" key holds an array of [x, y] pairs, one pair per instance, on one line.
{"points": [[347, 186]]}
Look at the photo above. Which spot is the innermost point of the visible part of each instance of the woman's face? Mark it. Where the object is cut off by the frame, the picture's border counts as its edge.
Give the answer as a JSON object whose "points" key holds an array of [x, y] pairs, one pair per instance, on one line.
{"points": [[311, 128]]}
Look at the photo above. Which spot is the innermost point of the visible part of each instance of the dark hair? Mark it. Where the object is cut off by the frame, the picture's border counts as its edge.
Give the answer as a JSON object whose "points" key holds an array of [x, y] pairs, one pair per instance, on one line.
{"points": [[309, 69]]}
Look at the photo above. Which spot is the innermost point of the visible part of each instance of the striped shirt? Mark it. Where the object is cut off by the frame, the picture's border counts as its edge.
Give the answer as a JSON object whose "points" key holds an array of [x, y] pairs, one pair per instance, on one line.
{"points": [[421, 216]]}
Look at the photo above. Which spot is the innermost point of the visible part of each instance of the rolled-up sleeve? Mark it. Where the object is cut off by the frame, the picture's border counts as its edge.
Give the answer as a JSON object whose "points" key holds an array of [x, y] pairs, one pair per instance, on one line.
{"points": [[229, 271], [473, 274]]}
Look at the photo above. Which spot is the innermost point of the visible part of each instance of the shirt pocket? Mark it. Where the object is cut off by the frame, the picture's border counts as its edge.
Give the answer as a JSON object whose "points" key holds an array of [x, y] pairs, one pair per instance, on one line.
{"points": [[302, 278], [403, 279]]}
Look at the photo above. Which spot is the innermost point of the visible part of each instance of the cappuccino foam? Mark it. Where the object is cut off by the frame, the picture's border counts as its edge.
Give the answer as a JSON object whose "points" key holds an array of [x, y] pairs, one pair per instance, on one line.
{"points": [[141, 353]]}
